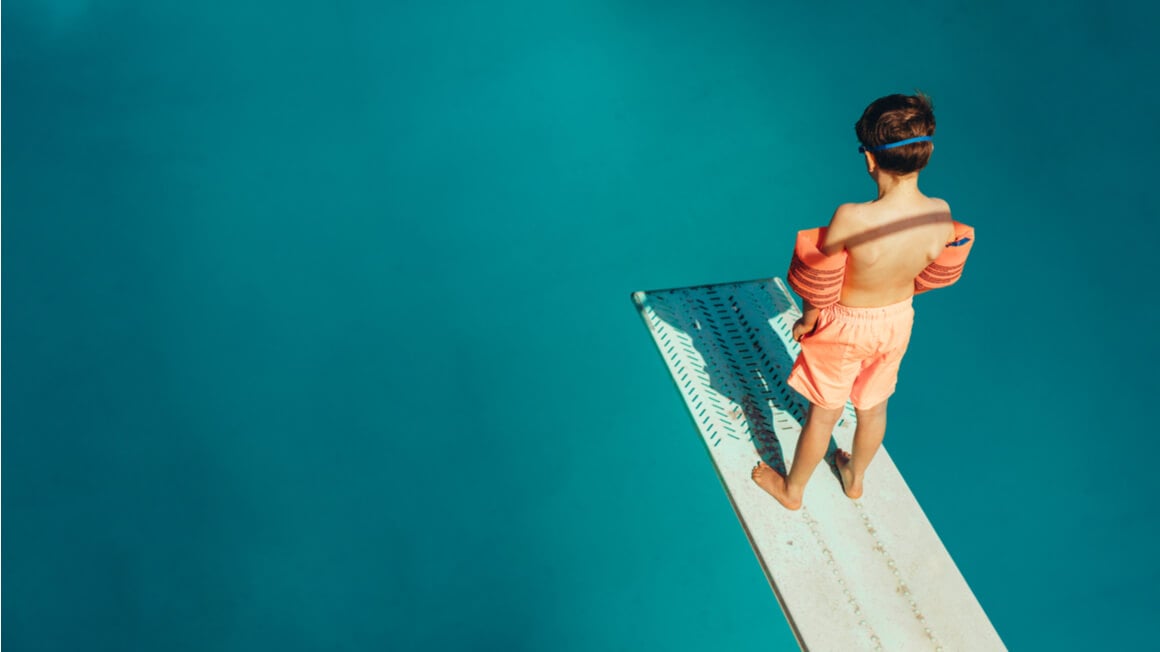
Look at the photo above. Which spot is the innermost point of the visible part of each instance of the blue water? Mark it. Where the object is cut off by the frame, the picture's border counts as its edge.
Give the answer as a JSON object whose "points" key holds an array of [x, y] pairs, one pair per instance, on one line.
{"points": [[317, 327]]}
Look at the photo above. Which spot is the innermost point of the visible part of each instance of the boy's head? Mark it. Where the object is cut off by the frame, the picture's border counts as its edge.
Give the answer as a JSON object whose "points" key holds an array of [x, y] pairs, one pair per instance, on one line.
{"points": [[892, 119]]}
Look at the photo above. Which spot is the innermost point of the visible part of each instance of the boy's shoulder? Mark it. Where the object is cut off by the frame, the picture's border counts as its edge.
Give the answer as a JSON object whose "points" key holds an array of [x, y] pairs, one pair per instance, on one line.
{"points": [[941, 212], [846, 221], [846, 213], [941, 203], [846, 218]]}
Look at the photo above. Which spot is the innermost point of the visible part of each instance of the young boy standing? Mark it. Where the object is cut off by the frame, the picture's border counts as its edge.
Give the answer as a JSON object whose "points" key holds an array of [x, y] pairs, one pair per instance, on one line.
{"points": [[857, 278]]}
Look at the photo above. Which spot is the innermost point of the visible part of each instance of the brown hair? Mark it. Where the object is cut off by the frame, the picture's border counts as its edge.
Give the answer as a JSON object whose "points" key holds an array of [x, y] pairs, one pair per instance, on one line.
{"points": [[891, 119]]}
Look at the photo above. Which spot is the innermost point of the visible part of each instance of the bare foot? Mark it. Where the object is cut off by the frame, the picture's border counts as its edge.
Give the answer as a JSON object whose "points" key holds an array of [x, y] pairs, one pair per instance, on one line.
{"points": [[852, 485], [774, 484]]}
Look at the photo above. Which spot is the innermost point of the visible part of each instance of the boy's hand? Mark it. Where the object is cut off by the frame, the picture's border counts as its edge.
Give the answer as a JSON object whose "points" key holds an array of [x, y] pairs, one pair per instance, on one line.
{"points": [[801, 328]]}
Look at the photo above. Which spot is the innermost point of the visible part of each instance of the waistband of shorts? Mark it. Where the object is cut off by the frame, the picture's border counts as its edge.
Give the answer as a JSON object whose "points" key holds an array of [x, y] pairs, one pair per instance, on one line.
{"points": [[893, 311]]}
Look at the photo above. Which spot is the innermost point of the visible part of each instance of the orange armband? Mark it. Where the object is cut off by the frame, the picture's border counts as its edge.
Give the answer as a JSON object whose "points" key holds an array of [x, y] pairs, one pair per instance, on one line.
{"points": [[948, 267], [816, 277]]}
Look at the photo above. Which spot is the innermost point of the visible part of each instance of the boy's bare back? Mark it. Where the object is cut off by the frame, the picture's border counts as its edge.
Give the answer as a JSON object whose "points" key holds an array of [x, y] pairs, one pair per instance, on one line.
{"points": [[889, 241]]}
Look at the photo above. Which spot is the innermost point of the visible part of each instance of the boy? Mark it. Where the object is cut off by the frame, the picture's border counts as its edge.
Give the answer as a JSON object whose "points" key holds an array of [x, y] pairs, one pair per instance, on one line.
{"points": [[857, 278]]}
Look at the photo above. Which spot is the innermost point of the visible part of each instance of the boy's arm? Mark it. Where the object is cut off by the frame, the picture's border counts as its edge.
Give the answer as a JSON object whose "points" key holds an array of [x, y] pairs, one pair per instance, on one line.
{"points": [[807, 322], [831, 244], [948, 267], [834, 243]]}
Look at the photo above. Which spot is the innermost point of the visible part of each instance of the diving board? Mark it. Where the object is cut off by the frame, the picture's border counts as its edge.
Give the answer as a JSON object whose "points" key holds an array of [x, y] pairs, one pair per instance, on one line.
{"points": [[869, 574]]}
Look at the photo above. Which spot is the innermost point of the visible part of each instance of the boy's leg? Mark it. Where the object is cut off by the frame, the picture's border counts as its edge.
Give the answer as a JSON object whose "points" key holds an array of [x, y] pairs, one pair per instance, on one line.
{"points": [[867, 440], [811, 448]]}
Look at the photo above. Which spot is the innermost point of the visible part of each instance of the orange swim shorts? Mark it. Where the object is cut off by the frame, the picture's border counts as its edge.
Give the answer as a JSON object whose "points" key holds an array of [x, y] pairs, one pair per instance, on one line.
{"points": [[853, 353]]}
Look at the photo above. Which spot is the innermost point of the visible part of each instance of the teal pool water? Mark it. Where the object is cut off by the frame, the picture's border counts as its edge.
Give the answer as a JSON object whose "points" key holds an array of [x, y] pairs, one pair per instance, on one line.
{"points": [[318, 333]]}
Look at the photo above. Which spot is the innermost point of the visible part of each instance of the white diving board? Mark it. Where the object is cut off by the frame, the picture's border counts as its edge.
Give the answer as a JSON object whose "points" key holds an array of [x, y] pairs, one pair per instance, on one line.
{"points": [[869, 574]]}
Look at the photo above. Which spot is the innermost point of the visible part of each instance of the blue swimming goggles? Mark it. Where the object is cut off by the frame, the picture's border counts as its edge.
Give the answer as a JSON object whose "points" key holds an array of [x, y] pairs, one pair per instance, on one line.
{"points": [[919, 139]]}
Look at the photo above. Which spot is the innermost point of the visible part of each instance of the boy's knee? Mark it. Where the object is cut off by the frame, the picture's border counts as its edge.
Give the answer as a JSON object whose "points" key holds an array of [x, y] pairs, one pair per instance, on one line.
{"points": [[873, 411], [826, 415]]}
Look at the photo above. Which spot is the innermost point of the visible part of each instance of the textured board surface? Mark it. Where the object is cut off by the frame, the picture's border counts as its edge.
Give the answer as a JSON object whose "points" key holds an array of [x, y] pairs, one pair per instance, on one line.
{"points": [[869, 574]]}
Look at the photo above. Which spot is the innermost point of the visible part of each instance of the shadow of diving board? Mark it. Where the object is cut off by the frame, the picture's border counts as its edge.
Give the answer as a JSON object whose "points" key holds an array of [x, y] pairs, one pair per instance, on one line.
{"points": [[869, 574]]}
